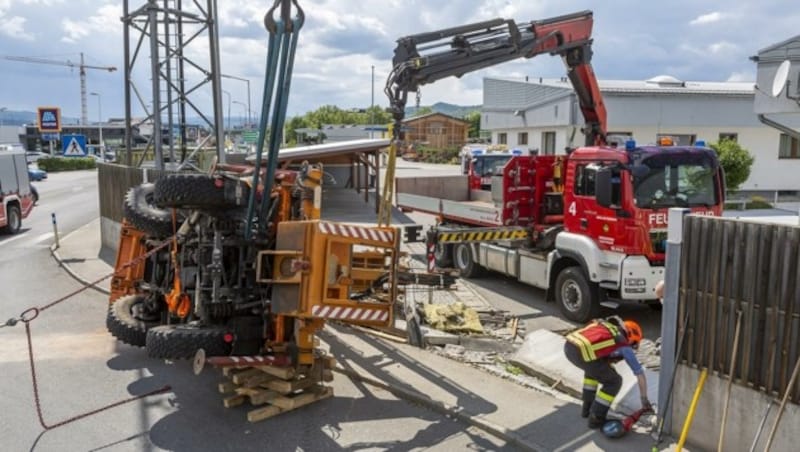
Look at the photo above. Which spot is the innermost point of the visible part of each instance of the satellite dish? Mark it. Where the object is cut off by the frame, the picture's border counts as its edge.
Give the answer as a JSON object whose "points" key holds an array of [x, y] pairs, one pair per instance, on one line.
{"points": [[781, 75]]}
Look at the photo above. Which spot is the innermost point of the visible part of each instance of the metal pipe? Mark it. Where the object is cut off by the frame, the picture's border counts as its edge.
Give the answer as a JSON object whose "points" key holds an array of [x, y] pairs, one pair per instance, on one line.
{"points": [[731, 370], [786, 393], [152, 14]]}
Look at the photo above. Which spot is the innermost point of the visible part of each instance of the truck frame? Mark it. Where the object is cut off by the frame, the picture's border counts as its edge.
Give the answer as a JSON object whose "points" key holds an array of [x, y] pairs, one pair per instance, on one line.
{"points": [[588, 226]]}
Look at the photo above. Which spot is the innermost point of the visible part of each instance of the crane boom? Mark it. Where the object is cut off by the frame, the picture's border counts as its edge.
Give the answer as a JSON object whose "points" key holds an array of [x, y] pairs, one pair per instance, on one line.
{"points": [[82, 71], [427, 57]]}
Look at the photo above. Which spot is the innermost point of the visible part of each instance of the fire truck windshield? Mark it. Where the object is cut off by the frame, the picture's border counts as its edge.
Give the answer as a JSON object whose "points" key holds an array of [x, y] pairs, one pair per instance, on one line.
{"points": [[676, 184], [490, 165]]}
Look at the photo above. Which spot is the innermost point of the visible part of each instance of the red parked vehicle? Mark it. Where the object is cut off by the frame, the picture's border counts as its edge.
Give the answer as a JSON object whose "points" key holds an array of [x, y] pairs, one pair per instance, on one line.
{"points": [[16, 196]]}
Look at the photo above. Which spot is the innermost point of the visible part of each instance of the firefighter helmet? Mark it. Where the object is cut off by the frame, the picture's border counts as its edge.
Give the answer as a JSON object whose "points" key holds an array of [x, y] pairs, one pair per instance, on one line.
{"points": [[634, 333]]}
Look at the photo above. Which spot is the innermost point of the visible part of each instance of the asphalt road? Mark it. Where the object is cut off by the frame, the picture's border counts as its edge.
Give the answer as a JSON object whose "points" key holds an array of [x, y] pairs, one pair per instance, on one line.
{"points": [[80, 368]]}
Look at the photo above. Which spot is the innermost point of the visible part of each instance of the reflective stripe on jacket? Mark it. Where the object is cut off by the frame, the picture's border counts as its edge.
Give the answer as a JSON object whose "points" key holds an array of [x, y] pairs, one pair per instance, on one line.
{"points": [[597, 340]]}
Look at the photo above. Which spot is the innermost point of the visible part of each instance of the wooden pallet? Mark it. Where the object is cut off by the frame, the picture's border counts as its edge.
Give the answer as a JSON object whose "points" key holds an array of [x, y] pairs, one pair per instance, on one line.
{"points": [[278, 389]]}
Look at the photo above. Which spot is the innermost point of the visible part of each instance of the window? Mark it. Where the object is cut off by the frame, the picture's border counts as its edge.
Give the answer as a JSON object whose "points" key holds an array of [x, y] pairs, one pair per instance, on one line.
{"points": [[548, 143], [522, 138], [788, 147], [584, 179], [729, 136], [502, 138]]}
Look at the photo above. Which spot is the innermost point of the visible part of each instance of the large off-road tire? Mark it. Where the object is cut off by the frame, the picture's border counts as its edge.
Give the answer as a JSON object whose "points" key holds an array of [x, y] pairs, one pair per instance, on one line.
{"points": [[465, 261], [443, 255], [574, 295], [182, 341], [128, 322], [143, 214], [200, 191], [13, 219]]}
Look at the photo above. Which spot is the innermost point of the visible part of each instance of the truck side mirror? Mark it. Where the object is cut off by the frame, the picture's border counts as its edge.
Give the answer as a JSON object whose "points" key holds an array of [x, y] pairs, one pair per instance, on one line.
{"points": [[604, 188]]}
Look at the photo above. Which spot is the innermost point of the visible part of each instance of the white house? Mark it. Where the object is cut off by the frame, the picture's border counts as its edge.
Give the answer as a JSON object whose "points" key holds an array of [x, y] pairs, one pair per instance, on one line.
{"points": [[543, 114]]}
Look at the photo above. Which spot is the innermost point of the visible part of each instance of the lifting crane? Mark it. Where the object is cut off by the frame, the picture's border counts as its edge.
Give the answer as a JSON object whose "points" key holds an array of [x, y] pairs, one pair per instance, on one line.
{"points": [[81, 67]]}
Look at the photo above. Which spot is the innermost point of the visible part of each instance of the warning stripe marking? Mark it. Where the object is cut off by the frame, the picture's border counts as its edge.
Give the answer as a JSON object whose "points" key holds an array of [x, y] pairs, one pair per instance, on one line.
{"points": [[479, 236], [350, 313], [347, 230]]}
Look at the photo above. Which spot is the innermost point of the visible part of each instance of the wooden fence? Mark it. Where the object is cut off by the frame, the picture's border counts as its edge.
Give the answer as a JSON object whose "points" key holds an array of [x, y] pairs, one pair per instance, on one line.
{"points": [[114, 182], [730, 266]]}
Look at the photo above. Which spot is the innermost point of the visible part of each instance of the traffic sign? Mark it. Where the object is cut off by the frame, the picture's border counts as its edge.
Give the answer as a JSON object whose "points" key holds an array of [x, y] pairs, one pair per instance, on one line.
{"points": [[51, 136], [250, 136], [73, 145]]}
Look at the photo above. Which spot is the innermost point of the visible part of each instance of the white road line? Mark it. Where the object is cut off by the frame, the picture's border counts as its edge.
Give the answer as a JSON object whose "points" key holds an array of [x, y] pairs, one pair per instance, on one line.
{"points": [[7, 241], [42, 237]]}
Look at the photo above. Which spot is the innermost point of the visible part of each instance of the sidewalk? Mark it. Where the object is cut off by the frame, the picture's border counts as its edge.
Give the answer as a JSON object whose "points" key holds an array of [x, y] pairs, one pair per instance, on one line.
{"points": [[526, 418]]}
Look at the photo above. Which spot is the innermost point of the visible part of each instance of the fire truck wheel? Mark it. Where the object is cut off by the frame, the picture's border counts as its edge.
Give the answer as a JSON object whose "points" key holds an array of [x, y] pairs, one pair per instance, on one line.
{"points": [[465, 263], [14, 218], [574, 295], [128, 321], [199, 191], [182, 341], [443, 254], [144, 215]]}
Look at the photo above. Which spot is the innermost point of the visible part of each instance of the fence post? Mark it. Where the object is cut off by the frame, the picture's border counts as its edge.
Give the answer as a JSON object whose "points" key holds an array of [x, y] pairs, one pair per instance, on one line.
{"points": [[669, 313]]}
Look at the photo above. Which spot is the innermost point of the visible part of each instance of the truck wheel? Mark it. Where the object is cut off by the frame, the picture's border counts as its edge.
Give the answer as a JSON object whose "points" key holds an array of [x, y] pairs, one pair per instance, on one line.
{"points": [[574, 295], [465, 263], [128, 321], [144, 215], [443, 255], [199, 191], [182, 341], [13, 219]]}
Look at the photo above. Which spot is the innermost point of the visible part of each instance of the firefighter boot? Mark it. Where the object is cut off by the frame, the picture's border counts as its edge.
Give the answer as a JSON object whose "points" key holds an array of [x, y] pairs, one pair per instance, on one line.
{"points": [[597, 415], [588, 395], [588, 399]]}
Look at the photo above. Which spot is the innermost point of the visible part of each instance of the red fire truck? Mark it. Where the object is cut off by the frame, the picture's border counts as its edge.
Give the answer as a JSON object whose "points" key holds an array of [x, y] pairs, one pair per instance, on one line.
{"points": [[588, 226], [16, 198]]}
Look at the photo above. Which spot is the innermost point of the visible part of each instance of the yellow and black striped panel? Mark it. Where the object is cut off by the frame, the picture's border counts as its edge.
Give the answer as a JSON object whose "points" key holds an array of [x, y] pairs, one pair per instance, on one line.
{"points": [[486, 235]]}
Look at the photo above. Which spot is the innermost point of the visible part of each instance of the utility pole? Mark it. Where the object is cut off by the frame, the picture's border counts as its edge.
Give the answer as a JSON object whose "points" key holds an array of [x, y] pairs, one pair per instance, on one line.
{"points": [[249, 123], [100, 124], [372, 104]]}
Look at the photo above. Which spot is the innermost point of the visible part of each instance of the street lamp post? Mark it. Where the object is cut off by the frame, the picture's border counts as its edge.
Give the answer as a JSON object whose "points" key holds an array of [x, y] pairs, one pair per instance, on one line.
{"points": [[248, 93], [229, 108], [100, 124], [244, 107]]}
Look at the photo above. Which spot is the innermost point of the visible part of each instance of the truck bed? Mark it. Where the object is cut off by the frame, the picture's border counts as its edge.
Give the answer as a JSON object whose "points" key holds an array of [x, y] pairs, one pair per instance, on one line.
{"points": [[448, 197]]}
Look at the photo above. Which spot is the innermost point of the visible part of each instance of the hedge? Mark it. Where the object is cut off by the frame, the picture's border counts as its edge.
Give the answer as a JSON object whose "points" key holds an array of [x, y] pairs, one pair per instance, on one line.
{"points": [[53, 164]]}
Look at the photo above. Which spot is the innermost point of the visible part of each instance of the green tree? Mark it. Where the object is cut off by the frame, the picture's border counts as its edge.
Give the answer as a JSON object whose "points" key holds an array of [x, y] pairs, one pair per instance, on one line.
{"points": [[422, 111], [474, 119], [735, 160]]}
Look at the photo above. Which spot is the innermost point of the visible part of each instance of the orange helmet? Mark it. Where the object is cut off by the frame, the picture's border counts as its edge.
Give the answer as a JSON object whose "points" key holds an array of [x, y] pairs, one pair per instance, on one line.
{"points": [[634, 333]]}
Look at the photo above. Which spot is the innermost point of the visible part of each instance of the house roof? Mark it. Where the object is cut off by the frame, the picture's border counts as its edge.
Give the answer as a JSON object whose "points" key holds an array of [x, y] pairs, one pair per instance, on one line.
{"points": [[662, 84], [435, 113], [779, 46]]}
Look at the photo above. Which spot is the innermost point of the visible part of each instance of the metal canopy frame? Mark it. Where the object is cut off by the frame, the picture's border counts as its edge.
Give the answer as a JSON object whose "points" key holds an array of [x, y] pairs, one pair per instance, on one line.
{"points": [[169, 28]]}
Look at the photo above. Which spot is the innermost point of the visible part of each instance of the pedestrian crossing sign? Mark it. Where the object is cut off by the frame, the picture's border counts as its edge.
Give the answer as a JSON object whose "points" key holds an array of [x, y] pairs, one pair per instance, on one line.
{"points": [[73, 145]]}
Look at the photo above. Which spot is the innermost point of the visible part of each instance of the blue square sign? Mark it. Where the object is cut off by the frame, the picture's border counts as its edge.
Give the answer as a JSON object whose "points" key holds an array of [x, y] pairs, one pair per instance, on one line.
{"points": [[73, 145]]}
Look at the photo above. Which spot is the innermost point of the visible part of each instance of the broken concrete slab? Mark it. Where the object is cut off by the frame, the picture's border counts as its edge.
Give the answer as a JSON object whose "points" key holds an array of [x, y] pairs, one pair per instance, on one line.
{"points": [[542, 355], [435, 337]]}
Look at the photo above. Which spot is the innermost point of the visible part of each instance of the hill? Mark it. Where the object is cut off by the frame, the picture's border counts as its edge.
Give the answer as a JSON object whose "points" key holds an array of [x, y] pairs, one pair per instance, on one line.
{"points": [[456, 111]]}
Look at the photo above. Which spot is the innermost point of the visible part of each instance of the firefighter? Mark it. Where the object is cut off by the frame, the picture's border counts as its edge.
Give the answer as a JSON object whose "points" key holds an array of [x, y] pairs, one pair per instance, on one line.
{"points": [[594, 348]]}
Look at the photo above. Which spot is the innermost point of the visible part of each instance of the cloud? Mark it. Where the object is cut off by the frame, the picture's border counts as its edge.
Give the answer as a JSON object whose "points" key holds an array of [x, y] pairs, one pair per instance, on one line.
{"points": [[14, 27], [106, 22], [741, 77], [709, 18]]}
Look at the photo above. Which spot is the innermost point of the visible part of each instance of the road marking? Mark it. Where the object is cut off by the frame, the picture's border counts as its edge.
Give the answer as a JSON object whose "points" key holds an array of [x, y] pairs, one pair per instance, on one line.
{"points": [[42, 237], [7, 241]]}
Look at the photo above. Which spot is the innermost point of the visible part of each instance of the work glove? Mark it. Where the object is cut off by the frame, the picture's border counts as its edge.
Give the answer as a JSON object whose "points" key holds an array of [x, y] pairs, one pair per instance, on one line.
{"points": [[646, 404]]}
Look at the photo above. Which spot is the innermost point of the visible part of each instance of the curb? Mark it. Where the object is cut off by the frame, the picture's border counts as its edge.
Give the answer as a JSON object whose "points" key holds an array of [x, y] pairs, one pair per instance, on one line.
{"points": [[448, 410], [73, 273]]}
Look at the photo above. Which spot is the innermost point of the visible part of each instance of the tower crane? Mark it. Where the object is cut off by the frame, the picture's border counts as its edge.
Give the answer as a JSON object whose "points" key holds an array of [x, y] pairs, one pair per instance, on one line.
{"points": [[82, 70]]}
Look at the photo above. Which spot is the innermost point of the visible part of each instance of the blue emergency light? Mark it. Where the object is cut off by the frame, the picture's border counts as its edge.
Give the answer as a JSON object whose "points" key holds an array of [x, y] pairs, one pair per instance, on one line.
{"points": [[700, 143], [630, 145]]}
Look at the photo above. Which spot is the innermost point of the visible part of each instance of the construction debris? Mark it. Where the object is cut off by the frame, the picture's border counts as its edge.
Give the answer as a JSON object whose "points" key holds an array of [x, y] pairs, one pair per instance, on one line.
{"points": [[453, 318]]}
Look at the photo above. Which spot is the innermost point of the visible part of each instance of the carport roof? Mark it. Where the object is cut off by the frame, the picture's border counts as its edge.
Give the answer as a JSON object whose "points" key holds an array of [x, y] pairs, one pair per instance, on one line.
{"points": [[330, 149]]}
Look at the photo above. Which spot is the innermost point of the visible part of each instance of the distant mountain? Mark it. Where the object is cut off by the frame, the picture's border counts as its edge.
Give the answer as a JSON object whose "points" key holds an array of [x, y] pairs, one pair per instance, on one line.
{"points": [[456, 111], [20, 118]]}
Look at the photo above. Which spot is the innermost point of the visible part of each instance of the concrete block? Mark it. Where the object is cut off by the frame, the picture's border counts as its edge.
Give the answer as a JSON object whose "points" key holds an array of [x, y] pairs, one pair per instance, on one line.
{"points": [[436, 337], [542, 355]]}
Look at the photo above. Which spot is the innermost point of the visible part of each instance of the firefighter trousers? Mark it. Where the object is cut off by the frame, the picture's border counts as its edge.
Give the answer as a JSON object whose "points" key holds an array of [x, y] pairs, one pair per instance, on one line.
{"points": [[600, 372]]}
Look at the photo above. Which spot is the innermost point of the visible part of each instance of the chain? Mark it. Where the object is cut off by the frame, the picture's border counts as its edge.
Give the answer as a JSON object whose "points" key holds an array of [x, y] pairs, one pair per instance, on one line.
{"points": [[30, 314]]}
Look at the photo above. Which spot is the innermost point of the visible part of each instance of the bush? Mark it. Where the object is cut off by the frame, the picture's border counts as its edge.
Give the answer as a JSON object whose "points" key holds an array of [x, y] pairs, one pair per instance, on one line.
{"points": [[53, 164], [434, 155], [757, 202]]}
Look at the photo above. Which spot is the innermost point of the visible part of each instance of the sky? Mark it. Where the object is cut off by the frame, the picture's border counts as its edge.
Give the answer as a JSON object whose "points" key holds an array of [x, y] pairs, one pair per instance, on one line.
{"points": [[342, 40]]}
